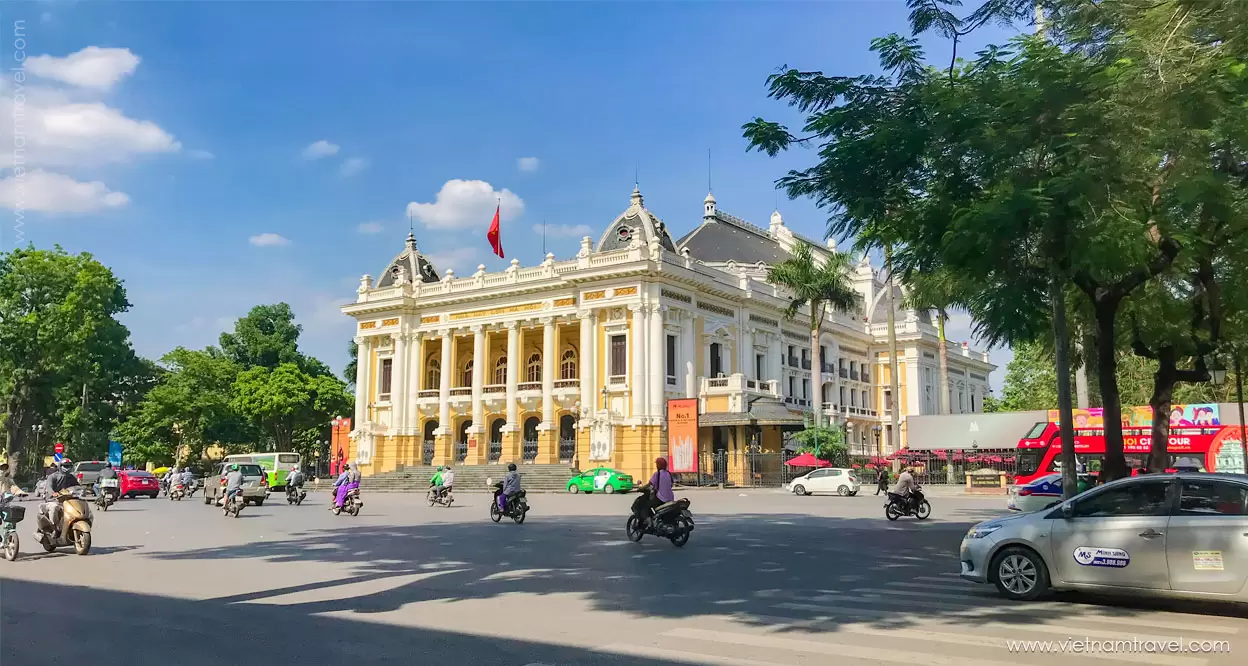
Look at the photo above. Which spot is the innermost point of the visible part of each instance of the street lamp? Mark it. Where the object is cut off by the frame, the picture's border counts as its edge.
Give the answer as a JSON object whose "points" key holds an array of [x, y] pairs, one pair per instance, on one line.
{"points": [[1217, 372], [38, 430], [877, 430]]}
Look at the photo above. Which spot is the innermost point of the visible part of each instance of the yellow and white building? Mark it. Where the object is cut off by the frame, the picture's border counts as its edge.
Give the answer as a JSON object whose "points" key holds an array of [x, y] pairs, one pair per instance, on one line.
{"points": [[573, 361]]}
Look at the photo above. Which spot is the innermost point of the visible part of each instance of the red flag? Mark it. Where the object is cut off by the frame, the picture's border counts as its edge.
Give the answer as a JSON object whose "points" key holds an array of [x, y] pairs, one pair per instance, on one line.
{"points": [[495, 241]]}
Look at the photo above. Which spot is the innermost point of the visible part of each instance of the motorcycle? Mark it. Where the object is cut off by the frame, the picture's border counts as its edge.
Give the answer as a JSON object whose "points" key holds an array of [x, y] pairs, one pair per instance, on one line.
{"points": [[109, 490], [351, 503], [295, 495], [73, 526], [10, 516], [515, 507], [441, 496], [915, 505], [670, 520], [234, 505], [177, 493]]}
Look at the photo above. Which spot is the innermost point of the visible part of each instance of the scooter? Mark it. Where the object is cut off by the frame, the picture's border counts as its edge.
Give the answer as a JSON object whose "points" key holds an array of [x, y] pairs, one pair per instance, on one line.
{"points": [[10, 515], [350, 504], [234, 505], [177, 492], [109, 489], [670, 520], [295, 495], [73, 527], [516, 506], [915, 505], [441, 496]]}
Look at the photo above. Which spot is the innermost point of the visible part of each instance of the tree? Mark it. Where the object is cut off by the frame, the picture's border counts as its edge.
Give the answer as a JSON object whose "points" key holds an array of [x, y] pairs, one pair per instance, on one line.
{"points": [[1030, 380], [817, 284], [285, 401], [58, 331], [353, 365], [267, 337], [935, 290], [822, 442]]}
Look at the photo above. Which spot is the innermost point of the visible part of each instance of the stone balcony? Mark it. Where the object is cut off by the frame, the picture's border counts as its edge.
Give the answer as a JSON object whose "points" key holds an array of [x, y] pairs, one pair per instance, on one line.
{"points": [[738, 389]]}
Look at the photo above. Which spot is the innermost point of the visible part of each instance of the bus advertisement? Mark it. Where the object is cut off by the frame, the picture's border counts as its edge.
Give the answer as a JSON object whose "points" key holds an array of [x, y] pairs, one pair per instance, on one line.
{"points": [[1214, 448], [277, 466]]}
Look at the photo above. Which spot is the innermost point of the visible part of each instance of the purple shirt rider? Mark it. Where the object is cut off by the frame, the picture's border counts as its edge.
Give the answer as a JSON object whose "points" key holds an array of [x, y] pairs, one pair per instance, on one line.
{"points": [[661, 481]]}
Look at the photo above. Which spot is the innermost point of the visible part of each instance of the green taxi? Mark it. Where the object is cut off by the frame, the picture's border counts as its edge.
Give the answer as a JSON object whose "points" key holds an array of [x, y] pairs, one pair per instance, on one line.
{"points": [[600, 479]]}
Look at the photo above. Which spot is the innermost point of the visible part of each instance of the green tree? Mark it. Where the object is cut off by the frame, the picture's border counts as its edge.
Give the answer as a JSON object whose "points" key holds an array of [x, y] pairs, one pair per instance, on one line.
{"points": [[353, 365], [267, 337], [1030, 380], [285, 401], [816, 284], [935, 290], [59, 332], [822, 442]]}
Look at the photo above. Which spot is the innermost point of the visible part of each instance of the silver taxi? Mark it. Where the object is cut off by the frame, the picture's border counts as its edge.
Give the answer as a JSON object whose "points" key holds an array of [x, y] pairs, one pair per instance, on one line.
{"points": [[1180, 535]]}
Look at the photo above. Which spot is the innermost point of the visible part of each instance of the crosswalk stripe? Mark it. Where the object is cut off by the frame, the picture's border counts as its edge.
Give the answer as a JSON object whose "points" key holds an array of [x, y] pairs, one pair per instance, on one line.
{"points": [[1070, 610], [842, 650], [974, 613], [962, 639]]}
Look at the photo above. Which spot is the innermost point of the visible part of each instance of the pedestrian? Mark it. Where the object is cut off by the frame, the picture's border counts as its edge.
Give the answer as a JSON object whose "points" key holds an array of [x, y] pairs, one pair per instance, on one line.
{"points": [[881, 481]]}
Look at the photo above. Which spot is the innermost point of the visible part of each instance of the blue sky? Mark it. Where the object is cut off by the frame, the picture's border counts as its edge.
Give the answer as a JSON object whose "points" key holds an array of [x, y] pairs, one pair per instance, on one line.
{"points": [[220, 155]]}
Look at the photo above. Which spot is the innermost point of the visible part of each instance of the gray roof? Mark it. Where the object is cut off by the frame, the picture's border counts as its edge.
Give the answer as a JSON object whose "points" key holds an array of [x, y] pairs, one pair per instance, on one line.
{"points": [[411, 261], [635, 224], [724, 238]]}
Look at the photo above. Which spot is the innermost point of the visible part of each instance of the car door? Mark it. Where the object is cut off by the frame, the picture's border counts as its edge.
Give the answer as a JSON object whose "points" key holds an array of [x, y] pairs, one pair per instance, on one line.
{"points": [[1207, 543], [600, 479], [1115, 536], [834, 480], [817, 481]]}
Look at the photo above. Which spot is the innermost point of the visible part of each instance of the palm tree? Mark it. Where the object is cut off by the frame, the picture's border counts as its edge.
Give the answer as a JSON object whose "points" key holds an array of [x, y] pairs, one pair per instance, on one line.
{"points": [[817, 283], [934, 290]]}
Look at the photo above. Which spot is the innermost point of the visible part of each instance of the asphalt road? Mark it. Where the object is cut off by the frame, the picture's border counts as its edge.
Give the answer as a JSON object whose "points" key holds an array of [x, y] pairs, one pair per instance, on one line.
{"points": [[767, 579]]}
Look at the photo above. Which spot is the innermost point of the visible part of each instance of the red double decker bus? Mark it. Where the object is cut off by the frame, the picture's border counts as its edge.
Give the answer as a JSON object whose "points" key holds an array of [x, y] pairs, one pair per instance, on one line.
{"points": [[1202, 449]]}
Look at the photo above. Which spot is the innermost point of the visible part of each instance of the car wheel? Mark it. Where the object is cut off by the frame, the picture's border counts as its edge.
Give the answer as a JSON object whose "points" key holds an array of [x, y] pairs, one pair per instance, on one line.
{"points": [[799, 489], [574, 489], [207, 499], [1019, 574], [152, 496], [608, 489], [259, 502], [854, 493], [843, 491]]}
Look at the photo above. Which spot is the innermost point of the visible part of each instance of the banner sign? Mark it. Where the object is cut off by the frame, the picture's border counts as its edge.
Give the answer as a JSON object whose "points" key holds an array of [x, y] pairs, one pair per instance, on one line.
{"points": [[682, 435], [1184, 416], [114, 454]]}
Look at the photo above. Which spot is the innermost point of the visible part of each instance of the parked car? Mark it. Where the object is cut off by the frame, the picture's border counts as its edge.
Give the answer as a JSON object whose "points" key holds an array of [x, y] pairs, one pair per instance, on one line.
{"points": [[839, 480], [88, 472], [1042, 493], [255, 483], [1154, 535], [600, 479], [136, 482]]}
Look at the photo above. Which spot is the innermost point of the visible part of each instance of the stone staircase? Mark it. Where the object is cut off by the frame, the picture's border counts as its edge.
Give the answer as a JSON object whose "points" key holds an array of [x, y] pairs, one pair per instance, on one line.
{"points": [[469, 478]]}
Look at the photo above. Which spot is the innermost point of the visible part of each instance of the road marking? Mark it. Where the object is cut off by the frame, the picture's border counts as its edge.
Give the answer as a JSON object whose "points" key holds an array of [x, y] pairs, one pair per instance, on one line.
{"points": [[962, 639], [868, 652]]}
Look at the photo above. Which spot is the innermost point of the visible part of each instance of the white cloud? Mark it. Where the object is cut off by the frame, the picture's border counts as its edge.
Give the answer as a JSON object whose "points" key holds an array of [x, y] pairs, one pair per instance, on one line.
{"points": [[569, 230], [200, 155], [47, 192], [92, 67], [464, 260], [370, 228], [319, 149], [464, 204], [268, 240], [527, 164], [352, 166]]}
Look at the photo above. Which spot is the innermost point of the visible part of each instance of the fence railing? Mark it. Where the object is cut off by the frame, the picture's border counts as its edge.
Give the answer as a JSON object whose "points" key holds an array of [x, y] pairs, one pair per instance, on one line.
{"points": [[771, 469], [461, 451], [528, 450], [567, 450], [496, 451], [426, 452]]}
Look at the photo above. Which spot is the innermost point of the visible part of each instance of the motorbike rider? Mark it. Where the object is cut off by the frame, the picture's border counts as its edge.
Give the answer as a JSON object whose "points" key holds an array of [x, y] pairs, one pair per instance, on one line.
{"points": [[340, 486], [511, 486], [171, 477], [106, 473], [448, 479], [187, 480], [660, 485], [437, 478], [905, 484], [294, 482], [62, 479], [233, 484]]}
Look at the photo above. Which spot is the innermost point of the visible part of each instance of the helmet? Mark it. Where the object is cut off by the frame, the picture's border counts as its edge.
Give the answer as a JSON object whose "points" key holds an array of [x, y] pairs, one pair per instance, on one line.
{"points": [[234, 467], [511, 467], [346, 466], [67, 466], [660, 462], [439, 468]]}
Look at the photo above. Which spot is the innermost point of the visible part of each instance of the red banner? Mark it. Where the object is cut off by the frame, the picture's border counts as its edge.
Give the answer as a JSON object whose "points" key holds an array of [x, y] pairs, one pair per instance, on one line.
{"points": [[682, 435]]}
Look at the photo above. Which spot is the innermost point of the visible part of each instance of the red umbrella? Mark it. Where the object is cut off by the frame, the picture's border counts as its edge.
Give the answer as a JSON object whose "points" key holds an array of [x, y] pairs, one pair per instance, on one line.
{"points": [[807, 460]]}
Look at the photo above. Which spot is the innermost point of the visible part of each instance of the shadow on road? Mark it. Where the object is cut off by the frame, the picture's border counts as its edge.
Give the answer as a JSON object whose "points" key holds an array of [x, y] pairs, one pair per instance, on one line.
{"points": [[827, 571], [111, 628]]}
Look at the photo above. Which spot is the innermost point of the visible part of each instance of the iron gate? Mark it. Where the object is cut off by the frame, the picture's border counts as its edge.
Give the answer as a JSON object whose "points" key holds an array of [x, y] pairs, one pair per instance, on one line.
{"points": [[528, 450], [426, 452], [461, 451], [567, 450]]}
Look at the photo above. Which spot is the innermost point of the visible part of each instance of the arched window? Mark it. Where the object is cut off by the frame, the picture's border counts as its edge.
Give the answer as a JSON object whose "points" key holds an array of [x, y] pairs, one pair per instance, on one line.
{"points": [[567, 427], [534, 368], [467, 373], [567, 365], [530, 428], [433, 374], [500, 371], [496, 430]]}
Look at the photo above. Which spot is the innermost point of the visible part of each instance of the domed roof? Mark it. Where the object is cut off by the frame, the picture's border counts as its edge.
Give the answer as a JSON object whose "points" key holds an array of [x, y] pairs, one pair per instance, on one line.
{"points": [[636, 223], [410, 264]]}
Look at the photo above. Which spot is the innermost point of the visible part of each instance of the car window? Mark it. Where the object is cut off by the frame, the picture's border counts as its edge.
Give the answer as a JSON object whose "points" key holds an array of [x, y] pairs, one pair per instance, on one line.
{"points": [[835, 472], [251, 470], [818, 473], [1212, 498], [1132, 499], [288, 458], [90, 466]]}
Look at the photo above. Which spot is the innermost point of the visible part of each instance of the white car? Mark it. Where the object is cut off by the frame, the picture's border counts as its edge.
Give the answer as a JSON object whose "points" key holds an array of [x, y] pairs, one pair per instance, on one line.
{"points": [[1039, 494], [843, 482]]}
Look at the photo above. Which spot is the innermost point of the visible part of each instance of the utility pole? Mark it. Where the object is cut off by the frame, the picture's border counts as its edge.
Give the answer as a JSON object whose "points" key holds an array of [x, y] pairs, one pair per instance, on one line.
{"points": [[894, 433]]}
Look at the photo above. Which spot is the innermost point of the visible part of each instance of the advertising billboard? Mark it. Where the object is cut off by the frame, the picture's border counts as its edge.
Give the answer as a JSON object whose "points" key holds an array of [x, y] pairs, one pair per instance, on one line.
{"points": [[682, 435]]}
